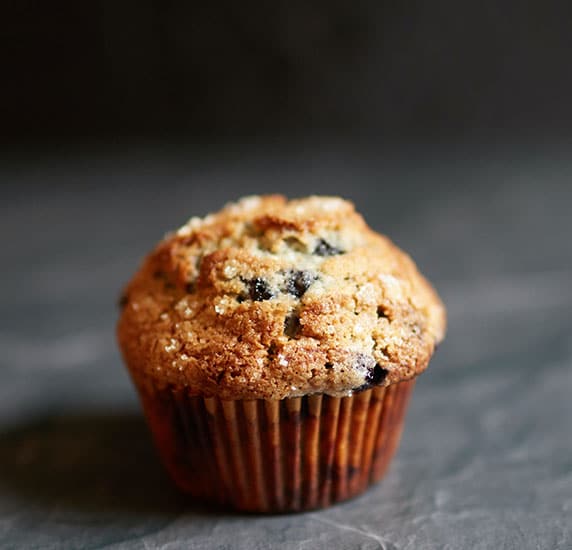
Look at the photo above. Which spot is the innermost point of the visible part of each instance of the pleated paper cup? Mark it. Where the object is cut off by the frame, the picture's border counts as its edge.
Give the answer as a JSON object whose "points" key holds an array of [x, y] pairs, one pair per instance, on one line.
{"points": [[271, 456]]}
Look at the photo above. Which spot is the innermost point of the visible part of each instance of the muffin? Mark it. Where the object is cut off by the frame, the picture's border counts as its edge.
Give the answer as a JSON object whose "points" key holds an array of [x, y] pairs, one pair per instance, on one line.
{"points": [[274, 346]]}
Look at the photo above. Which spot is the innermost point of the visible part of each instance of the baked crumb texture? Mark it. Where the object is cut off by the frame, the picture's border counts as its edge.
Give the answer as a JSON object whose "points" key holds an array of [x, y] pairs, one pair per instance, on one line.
{"points": [[271, 298]]}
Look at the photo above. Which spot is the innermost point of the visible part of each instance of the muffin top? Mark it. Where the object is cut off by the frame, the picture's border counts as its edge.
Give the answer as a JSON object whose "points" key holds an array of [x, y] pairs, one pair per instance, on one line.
{"points": [[272, 298]]}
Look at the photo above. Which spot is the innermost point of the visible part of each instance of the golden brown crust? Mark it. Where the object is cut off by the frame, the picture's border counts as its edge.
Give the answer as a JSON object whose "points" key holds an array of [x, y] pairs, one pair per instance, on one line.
{"points": [[272, 298]]}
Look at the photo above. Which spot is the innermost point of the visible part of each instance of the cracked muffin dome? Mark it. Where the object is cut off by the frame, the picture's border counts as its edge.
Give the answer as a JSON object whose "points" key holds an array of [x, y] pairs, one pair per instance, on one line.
{"points": [[271, 298]]}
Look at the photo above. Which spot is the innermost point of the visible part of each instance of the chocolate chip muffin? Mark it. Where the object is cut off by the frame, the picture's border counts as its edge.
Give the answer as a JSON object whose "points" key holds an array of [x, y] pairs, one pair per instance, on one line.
{"points": [[274, 346]]}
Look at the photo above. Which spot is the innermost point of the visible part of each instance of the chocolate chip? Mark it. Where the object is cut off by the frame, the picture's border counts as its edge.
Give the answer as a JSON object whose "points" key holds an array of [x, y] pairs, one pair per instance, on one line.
{"points": [[190, 287], [259, 289], [298, 282], [329, 365], [376, 376], [324, 248], [292, 324]]}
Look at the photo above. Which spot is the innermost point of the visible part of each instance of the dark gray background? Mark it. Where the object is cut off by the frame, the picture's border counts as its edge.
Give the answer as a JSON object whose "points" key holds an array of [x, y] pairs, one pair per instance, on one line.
{"points": [[392, 69], [447, 124]]}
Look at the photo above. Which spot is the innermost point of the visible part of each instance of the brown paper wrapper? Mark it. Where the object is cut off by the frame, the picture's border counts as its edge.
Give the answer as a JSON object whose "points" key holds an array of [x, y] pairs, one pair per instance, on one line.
{"points": [[277, 456]]}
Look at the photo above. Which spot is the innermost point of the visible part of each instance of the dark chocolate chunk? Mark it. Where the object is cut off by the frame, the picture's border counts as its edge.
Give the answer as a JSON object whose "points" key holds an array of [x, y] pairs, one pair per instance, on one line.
{"points": [[376, 376], [324, 248], [190, 287], [329, 365], [292, 324], [298, 282], [259, 290]]}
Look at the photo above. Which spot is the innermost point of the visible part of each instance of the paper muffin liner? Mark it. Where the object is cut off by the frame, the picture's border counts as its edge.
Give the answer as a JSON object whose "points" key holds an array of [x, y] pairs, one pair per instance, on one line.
{"points": [[277, 456]]}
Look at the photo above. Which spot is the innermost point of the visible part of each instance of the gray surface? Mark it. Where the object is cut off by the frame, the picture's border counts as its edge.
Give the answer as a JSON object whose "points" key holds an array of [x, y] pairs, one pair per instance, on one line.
{"points": [[486, 457]]}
